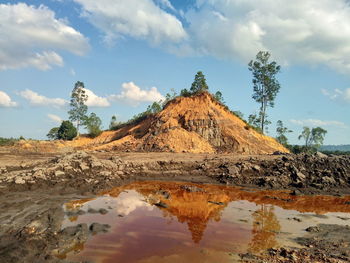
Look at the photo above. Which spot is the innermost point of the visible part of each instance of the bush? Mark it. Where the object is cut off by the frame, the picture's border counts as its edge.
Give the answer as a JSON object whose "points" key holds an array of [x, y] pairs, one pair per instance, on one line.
{"points": [[7, 141], [66, 131], [53, 133], [93, 125]]}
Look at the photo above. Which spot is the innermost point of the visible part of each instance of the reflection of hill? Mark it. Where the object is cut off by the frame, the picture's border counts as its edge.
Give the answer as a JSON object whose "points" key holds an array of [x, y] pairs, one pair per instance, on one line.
{"points": [[197, 205], [312, 204], [192, 208]]}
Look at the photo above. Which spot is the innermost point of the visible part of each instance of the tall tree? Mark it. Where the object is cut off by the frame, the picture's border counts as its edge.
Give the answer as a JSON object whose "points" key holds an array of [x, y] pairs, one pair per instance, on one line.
{"points": [[281, 133], [199, 84], [265, 84], [313, 138], [78, 110]]}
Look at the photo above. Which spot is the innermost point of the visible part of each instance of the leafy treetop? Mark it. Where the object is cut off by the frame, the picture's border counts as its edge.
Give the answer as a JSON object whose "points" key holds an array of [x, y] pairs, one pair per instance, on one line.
{"points": [[78, 110], [199, 84], [265, 84]]}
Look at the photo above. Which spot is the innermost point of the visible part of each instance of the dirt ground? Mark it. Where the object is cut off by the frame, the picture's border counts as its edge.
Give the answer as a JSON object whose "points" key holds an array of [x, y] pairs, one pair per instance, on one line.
{"points": [[34, 186]]}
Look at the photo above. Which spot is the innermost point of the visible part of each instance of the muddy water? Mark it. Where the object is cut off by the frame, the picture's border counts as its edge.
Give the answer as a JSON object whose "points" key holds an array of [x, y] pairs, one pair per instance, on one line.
{"points": [[181, 222]]}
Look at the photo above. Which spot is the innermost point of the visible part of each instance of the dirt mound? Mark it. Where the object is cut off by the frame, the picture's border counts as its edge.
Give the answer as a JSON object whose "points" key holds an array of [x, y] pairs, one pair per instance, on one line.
{"points": [[197, 124]]}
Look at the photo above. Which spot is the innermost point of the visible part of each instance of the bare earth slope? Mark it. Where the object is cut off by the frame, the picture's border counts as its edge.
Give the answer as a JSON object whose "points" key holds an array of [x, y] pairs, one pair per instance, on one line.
{"points": [[197, 124]]}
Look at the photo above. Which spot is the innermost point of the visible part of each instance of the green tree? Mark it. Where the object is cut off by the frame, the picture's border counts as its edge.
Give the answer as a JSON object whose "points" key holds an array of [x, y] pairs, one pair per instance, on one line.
{"points": [[113, 122], [199, 84], [281, 133], [218, 96], [53, 134], [93, 124], [313, 138], [169, 97], [185, 93], [78, 110], [66, 131], [154, 108], [265, 84]]}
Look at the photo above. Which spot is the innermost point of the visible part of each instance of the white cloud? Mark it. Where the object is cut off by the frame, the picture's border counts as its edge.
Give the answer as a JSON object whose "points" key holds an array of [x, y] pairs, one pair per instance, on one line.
{"points": [[31, 36], [308, 32], [55, 118], [72, 72], [314, 122], [94, 100], [165, 4], [36, 99], [6, 101], [338, 95], [141, 19], [133, 94]]}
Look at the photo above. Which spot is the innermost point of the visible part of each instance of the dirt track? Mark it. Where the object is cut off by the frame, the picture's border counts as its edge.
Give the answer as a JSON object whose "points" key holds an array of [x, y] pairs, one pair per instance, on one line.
{"points": [[33, 187]]}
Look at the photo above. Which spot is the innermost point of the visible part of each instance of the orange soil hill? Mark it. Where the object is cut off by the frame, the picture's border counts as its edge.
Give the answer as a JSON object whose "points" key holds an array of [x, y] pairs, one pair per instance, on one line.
{"points": [[197, 124]]}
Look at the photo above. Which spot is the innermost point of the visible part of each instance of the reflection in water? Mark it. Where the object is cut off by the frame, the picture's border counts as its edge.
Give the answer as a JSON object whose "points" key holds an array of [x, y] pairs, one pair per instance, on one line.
{"points": [[265, 228], [172, 222]]}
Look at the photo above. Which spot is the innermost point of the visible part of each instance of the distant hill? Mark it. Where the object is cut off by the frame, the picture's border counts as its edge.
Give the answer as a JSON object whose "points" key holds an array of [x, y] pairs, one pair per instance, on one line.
{"points": [[341, 148]]}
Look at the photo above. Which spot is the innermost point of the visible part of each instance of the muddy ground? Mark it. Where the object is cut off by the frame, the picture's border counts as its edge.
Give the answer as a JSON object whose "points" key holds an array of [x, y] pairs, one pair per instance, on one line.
{"points": [[34, 186]]}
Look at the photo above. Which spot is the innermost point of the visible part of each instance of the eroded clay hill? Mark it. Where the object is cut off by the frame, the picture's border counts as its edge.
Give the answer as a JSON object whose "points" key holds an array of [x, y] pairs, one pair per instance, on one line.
{"points": [[197, 124]]}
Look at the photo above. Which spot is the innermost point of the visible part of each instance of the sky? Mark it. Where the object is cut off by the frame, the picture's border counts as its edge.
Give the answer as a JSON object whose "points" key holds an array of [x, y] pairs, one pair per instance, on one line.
{"points": [[129, 53]]}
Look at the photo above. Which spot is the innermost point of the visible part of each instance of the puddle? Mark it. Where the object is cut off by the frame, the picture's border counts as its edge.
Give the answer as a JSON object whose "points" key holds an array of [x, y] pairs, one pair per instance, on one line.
{"points": [[182, 222]]}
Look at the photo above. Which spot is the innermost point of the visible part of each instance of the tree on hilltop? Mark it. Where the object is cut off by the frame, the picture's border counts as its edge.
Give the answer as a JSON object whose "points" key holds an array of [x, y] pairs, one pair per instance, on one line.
{"points": [[265, 84], [78, 110], [199, 84]]}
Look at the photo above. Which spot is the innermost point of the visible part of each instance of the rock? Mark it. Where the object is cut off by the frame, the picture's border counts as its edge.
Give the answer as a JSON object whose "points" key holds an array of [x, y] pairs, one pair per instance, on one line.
{"points": [[115, 159], [59, 173], [295, 192], [161, 204], [95, 164], [191, 188], [105, 173], [68, 168], [321, 155], [298, 176], [92, 211], [103, 211], [328, 180], [97, 228], [83, 167], [19, 180], [256, 168], [312, 229], [75, 230], [216, 203]]}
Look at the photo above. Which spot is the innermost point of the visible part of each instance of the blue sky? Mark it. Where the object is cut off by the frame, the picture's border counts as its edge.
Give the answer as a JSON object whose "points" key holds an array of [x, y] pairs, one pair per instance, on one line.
{"points": [[129, 53]]}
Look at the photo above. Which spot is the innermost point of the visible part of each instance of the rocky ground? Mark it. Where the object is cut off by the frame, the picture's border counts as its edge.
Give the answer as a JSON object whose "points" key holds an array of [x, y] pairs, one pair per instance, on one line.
{"points": [[34, 187]]}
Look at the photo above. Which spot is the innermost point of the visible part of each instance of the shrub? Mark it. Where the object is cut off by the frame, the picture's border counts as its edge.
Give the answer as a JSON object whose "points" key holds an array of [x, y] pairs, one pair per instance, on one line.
{"points": [[66, 131]]}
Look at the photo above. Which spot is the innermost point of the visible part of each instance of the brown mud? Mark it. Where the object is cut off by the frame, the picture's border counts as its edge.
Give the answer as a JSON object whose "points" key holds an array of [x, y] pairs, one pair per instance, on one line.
{"points": [[33, 189]]}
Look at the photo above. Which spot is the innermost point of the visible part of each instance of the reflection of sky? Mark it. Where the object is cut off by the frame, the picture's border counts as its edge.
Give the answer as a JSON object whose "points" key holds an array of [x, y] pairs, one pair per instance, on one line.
{"points": [[128, 202]]}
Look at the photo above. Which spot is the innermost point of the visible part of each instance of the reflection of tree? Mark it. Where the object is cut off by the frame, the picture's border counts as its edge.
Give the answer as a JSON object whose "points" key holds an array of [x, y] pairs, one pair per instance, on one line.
{"points": [[265, 228], [192, 208]]}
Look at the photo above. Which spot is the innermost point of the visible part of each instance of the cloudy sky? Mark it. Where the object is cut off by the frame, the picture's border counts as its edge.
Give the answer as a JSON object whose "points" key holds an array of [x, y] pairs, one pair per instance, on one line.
{"points": [[130, 53]]}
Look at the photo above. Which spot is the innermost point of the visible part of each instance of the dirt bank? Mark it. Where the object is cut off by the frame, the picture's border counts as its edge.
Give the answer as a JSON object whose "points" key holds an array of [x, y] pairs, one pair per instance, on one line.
{"points": [[92, 172]]}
